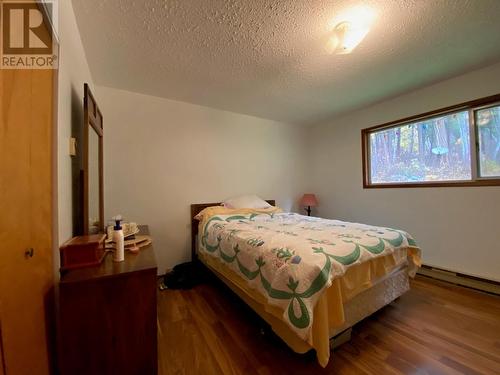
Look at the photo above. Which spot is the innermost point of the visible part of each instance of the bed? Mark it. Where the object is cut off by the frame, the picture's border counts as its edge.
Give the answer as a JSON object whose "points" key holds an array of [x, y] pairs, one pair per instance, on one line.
{"points": [[310, 279]]}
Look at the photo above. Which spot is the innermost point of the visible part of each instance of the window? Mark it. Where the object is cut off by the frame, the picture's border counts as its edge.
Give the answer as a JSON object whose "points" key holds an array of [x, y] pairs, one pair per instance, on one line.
{"points": [[459, 145], [487, 123]]}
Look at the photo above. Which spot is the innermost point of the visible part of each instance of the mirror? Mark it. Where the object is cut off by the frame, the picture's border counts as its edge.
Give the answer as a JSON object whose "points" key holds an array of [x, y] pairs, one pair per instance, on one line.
{"points": [[93, 197], [93, 175]]}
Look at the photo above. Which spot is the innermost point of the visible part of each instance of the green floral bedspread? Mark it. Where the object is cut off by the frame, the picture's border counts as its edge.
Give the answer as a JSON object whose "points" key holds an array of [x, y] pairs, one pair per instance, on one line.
{"points": [[291, 259]]}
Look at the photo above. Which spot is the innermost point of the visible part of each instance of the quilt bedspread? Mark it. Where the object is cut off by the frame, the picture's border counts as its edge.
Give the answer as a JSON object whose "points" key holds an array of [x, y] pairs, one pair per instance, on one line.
{"points": [[291, 259]]}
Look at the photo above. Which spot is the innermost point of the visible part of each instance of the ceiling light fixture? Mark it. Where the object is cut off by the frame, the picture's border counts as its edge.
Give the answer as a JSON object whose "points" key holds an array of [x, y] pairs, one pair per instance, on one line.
{"points": [[350, 28]]}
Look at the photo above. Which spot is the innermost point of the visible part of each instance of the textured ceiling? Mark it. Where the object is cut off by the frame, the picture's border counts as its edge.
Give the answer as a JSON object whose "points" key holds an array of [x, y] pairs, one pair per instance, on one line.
{"points": [[267, 58]]}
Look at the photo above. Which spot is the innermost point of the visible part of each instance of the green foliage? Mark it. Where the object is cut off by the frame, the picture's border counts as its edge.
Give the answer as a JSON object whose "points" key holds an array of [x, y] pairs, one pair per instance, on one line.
{"points": [[284, 253], [490, 167], [436, 149]]}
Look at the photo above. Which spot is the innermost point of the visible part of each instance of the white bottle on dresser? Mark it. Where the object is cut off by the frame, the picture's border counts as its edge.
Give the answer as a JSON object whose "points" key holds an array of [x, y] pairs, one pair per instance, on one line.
{"points": [[119, 255]]}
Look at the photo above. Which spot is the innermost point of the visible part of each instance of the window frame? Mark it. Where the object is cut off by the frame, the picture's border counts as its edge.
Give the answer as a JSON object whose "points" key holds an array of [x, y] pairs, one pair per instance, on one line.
{"points": [[476, 180]]}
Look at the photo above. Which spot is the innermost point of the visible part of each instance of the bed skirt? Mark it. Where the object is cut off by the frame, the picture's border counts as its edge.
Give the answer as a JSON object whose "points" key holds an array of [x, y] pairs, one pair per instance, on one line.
{"points": [[363, 290]]}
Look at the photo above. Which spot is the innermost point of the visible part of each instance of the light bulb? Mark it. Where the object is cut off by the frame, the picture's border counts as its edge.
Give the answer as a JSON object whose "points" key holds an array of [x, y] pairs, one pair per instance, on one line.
{"points": [[351, 27]]}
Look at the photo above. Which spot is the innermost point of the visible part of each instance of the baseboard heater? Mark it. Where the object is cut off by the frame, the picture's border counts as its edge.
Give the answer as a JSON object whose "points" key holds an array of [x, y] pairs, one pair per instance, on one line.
{"points": [[485, 285]]}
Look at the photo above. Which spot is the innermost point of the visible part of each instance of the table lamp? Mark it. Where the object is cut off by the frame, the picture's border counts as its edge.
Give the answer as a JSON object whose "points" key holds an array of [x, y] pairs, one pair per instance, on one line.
{"points": [[308, 201]]}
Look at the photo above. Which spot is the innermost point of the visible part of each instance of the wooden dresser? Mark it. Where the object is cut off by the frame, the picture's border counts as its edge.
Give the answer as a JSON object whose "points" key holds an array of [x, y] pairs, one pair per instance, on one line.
{"points": [[107, 317]]}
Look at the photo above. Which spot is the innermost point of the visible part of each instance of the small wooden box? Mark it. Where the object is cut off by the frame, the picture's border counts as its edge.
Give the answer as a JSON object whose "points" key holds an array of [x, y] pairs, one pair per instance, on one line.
{"points": [[82, 251]]}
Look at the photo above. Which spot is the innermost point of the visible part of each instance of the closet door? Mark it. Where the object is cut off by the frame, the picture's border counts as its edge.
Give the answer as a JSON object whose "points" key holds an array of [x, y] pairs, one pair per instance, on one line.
{"points": [[27, 184]]}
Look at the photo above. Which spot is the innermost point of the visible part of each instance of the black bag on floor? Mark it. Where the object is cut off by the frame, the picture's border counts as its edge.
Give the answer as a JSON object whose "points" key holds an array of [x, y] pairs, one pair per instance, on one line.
{"points": [[183, 276]]}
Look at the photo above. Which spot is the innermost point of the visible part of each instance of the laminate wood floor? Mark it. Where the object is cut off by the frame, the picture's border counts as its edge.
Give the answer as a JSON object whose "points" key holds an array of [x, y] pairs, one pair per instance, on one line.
{"points": [[435, 328]]}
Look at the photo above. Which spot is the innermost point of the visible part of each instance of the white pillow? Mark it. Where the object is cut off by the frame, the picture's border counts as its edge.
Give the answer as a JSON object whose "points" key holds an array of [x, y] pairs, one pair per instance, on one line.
{"points": [[246, 201]]}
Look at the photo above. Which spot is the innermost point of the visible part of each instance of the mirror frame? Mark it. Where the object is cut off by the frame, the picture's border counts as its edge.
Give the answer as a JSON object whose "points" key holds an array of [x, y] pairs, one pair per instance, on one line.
{"points": [[92, 118]]}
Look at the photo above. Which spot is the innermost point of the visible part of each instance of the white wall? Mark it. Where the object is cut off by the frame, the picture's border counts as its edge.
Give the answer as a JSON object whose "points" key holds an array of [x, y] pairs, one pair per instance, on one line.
{"points": [[161, 155], [457, 228], [73, 72]]}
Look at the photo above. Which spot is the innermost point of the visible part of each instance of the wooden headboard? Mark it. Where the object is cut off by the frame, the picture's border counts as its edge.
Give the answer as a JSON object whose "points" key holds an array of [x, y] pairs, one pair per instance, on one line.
{"points": [[196, 208]]}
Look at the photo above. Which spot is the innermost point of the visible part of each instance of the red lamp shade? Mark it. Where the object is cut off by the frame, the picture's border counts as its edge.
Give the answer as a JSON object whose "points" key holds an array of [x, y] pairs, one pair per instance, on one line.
{"points": [[309, 200]]}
